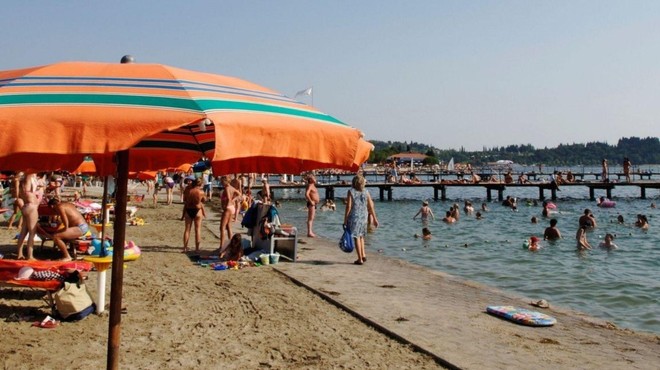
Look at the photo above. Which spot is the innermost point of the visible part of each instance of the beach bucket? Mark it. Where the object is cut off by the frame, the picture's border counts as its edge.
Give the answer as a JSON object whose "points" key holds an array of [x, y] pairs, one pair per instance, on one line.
{"points": [[274, 258], [265, 259]]}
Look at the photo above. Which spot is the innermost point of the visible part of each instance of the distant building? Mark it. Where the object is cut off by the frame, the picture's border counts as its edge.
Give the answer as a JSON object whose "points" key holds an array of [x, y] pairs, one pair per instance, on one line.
{"points": [[406, 158]]}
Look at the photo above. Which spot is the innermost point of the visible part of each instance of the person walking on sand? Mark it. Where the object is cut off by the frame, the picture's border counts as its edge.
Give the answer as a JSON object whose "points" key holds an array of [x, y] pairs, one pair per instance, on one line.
{"points": [[359, 208], [425, 212], [193, 212], [30, 196], [73, 225], [227, 204], [312, 197]]}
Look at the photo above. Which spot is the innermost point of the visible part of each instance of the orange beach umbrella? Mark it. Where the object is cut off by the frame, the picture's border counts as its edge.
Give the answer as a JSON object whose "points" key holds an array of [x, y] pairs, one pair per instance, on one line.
{"points": [[68, 110], [151, 116]]}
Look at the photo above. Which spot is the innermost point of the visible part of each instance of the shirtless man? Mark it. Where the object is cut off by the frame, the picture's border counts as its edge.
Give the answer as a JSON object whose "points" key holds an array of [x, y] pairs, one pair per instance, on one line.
{"points": [[312, 197], [448, 219], [552, 232], [30, 196], [74, 225], [605, 171], [587, 219], [193, 203]]}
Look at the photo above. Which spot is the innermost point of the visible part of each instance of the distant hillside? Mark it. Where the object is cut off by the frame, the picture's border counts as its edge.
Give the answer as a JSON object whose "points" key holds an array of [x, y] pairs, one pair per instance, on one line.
{"points": [[639, 150]]}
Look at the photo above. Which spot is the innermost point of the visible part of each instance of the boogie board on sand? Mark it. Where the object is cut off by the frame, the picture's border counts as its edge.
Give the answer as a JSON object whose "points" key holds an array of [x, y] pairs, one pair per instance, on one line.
{"points": [[521, 316]]}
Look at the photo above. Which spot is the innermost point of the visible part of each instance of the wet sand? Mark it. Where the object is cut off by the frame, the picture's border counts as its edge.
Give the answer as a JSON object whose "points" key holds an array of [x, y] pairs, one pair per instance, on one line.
{"points": [[321, 312]]}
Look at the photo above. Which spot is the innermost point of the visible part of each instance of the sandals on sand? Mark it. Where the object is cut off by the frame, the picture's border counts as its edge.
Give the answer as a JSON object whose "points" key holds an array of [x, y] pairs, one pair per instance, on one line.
{"points": [[47, 323], [542, 303]]}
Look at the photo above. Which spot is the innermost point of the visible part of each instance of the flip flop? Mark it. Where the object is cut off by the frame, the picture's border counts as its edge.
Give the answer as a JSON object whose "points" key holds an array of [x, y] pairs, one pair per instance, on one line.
{"points": [[542, 303], [47, 323]]}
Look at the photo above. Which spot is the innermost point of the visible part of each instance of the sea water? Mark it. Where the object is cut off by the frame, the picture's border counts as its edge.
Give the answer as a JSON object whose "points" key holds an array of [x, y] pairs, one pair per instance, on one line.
{"points": [[621, 286]]}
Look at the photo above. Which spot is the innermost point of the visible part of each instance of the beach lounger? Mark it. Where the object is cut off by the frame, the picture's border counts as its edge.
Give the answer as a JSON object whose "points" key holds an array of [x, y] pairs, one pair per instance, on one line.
{"points": [[9, 269]]}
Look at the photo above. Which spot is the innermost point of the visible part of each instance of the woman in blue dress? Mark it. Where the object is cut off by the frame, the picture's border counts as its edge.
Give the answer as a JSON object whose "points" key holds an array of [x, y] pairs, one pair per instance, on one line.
{"points": [[359, 208]]}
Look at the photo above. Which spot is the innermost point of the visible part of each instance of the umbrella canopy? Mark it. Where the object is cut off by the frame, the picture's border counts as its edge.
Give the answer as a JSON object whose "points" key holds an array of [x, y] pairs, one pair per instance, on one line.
{"points": [[151, 116], [163, 115]]}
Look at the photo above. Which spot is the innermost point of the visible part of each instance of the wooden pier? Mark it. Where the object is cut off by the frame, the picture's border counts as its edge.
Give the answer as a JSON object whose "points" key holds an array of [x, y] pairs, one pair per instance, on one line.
{"points": [[440, 189]]}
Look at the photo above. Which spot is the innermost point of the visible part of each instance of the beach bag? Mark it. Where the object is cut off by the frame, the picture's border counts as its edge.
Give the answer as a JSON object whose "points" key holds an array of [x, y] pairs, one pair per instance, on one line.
{"points": [[72, 302], [346, 242]]}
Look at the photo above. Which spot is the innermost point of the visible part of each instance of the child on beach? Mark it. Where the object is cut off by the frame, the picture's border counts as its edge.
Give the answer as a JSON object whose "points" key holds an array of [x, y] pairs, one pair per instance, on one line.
{"points": [[425, 212], [426, 234], [608, 242], [234, 250]]}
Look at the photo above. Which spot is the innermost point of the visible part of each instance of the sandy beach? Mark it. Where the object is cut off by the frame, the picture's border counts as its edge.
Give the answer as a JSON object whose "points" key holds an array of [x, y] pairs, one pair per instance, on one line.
{"points": [[393, 315], [179, 315]]}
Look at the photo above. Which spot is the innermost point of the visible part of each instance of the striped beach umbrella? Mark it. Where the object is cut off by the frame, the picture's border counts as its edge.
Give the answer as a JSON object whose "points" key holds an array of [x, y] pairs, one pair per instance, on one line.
{"points": [[164, 116], [150, 116]]}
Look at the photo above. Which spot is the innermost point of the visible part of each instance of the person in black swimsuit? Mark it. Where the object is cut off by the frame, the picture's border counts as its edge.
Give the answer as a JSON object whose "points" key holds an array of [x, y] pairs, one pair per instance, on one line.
{"points": [[193, 203]]}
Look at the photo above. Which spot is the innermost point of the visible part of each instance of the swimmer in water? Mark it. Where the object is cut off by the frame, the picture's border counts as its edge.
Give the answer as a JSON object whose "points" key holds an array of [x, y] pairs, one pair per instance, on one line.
{"points": [[552, 232], [581, 238], [448, 218], [425, 212], [534, 244], [642, 222], [426, 234], [608, 242]]}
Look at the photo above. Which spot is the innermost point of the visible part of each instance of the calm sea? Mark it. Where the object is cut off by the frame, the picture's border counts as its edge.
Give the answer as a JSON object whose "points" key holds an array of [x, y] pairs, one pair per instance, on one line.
{"points": [[621, 286]]}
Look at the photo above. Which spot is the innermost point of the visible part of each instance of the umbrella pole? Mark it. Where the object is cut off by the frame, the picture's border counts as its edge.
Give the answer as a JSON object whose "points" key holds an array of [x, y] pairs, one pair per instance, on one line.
{"points": [[104, 204], [118, 260]]}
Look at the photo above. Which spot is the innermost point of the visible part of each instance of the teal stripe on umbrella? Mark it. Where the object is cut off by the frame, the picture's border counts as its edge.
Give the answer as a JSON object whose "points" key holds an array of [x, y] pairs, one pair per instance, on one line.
{"points": [[206, 105]]}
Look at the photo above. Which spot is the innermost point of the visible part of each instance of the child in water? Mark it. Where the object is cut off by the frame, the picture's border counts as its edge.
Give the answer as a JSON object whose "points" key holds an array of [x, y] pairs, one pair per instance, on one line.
{"points": [[426, 234], [533, 244], [425, 212], [608, 242]]}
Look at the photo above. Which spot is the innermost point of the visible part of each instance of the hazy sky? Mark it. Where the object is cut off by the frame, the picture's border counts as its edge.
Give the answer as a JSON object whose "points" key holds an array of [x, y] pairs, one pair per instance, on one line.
{"points": [[445, 73]]}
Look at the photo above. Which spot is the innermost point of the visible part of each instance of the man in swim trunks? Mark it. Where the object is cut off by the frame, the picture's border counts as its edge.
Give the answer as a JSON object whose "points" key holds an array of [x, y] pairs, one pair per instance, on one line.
{"points": [[312, 197], [193, 203], [74, 225]]}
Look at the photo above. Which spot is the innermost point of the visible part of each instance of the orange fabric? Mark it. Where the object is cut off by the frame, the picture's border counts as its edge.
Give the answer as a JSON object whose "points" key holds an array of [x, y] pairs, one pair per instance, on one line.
{"points": [[154, 110]]}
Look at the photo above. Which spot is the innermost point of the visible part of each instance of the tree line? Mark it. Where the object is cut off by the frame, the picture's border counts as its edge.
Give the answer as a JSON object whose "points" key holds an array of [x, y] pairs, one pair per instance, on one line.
{"points": [[638, 150]]}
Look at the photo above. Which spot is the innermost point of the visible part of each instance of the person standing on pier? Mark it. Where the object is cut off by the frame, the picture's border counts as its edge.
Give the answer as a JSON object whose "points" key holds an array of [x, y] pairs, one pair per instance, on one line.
{"points": [[312, 197], [626, 168], [605, 171]]}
